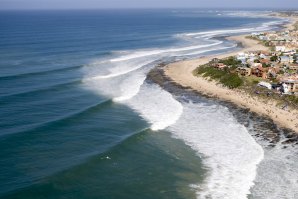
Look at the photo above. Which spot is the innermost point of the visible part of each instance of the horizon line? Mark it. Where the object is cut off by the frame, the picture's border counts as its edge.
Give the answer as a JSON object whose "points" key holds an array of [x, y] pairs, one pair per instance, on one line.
{"points": [[150, 8]]}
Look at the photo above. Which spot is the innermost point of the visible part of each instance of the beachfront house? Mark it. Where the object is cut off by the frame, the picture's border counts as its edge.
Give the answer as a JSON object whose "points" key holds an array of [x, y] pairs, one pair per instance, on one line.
{"points": [[215, 60], [263, 38], [220, 66], [244, 71], [242, 57], [254, 34]]}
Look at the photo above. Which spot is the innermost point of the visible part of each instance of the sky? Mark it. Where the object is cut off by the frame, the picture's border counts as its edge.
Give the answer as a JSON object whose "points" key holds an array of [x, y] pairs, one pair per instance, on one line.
{"points": [[102, 4]]}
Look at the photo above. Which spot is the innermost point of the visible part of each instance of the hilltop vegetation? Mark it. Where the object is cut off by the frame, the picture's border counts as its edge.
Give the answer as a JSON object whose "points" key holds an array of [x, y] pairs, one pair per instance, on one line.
{"points": [[226, 77]]}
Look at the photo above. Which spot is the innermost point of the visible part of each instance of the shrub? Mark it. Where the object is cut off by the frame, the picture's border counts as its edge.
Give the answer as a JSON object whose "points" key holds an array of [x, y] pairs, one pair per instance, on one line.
{"points": [[207, 71], [274, 58], [255, 81], [231, 80], [225, 77], [231, 61], [292, 99]]}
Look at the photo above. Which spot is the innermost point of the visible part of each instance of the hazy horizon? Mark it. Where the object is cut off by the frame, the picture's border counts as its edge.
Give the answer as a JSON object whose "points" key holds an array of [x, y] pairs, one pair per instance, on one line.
{"points": [[152, 4]]}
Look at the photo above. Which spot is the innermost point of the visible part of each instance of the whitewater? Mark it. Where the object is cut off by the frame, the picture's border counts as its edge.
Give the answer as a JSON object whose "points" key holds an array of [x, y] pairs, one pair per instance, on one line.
{"points": [[229, 152]]}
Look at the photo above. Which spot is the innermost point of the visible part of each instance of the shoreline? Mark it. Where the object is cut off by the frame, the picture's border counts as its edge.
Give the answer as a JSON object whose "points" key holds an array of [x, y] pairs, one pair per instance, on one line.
{"points": [[181, 72]]}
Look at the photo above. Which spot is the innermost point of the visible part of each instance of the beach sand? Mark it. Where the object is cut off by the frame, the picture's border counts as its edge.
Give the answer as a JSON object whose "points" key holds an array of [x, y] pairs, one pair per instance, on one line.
{"points": [[182, 73]]}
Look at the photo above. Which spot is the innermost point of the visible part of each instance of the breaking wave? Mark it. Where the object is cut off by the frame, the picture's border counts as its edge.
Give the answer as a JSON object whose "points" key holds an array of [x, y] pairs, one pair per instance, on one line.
{"points": [[230, 153], [227, 148]]}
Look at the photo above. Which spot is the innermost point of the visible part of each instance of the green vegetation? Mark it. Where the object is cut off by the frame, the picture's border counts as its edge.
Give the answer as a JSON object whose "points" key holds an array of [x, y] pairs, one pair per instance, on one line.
{"points": [[292, 99], [266, 43], [251, 37], [264, 65], [251, 80], [231, 61], [274, 58], [296, 26], [231, 80], [211, 72], [225, 77]]}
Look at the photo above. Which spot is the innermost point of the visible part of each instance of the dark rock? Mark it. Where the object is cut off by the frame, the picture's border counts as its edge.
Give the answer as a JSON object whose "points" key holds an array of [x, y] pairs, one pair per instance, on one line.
{"points": [[290, 141]]}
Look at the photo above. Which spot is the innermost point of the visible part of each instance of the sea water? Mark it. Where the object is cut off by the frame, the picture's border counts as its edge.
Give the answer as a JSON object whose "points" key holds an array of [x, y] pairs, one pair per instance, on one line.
{"points": [[79, 119]]}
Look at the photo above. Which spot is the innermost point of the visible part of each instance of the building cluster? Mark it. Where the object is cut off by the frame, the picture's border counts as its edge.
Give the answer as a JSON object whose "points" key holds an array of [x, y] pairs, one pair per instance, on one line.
{"points": [[278, 65]]}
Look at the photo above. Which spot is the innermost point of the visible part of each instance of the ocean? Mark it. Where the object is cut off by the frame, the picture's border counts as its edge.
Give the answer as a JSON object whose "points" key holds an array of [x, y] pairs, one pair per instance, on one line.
{"points": [[80, 119]]}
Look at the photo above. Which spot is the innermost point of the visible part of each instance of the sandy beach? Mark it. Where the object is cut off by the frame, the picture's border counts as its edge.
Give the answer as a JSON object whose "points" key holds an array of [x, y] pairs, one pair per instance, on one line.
{"points": [[182, 73]]}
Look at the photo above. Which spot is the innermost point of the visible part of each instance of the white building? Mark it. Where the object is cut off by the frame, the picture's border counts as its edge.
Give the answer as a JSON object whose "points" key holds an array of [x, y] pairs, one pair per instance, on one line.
{"points": [[266, 85], [280, 48]]}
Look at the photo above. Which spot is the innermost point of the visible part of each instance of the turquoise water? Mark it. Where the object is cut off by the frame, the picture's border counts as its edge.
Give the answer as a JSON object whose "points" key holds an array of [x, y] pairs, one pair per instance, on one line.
{"points": [[64, 135]]}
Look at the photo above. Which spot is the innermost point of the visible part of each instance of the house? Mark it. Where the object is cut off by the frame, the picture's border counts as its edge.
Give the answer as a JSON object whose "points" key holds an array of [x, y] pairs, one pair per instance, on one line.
{"points": [[252, 59], [293, 67], [290, 84], [244, 71], [259, 71], [255, 34], [286, 59], [256, 65], [265, 61], [264, 38], [272, 72], [241, 56], [265, 84], [263, 56], [215, 60], [220, 66]]}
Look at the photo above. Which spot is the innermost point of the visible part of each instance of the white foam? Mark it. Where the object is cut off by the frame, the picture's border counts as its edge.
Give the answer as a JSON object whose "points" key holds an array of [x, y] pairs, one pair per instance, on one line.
{"points": [[230, 152], [130, 87], [157, 106], [119, 88], [251, 14], [121, 69], [209, 34], [219, 32], [212, 49], [137, 54], [277, 174], [143, 53]]}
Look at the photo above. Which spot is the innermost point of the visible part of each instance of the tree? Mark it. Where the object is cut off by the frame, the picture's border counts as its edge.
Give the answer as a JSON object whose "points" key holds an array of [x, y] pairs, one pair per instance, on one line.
{"points": [[274, 58]]}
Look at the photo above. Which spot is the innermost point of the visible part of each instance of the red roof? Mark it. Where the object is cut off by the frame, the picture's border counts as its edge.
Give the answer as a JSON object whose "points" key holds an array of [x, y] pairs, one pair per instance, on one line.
{"points": [[264, 61]]}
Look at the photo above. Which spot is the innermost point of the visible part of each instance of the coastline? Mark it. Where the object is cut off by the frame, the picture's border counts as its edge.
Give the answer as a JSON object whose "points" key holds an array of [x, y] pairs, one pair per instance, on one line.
{"points": [[182, 73]]}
